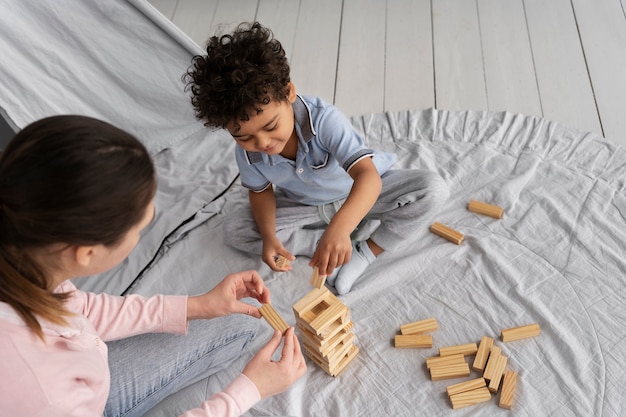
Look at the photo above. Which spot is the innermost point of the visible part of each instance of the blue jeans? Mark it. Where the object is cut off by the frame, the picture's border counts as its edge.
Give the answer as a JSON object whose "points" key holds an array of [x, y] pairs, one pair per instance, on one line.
{"points": [[147, 368]]}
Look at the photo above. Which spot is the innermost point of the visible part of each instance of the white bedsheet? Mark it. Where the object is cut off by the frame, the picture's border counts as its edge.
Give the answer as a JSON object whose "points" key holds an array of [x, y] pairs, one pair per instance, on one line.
{"points": [[556, 258]]}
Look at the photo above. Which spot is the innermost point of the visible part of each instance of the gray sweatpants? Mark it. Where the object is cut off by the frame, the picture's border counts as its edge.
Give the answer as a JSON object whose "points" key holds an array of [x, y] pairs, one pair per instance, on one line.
{"points": [[408, 200]]}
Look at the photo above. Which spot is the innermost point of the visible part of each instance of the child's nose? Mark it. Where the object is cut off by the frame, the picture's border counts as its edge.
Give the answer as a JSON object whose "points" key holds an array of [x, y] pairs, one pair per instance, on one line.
{"points": [[263, 141]]}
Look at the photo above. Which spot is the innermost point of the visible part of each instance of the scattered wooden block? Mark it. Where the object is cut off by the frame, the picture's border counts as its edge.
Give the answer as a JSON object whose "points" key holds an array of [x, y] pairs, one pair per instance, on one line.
{"points": [[447, 233], [467, 398], [273, 318], [438, 373], [317, 280], [522, 332], [481, 355], [466, 349], [491, 362], [496, 376], [414, 341], [282, 262], [472, 384], [444, 360], [508, 389], [421, 326], [486, 209]]}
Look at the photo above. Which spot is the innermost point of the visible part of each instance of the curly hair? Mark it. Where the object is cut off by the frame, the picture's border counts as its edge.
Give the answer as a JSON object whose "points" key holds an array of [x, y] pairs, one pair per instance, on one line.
{"points": [[241, 72]]}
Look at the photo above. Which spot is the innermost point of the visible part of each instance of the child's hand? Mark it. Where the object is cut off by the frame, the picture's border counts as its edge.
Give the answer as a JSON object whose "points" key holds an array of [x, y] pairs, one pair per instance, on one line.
{"points": [[273, 377], [271, 250], [224, 298], [334, 249]]}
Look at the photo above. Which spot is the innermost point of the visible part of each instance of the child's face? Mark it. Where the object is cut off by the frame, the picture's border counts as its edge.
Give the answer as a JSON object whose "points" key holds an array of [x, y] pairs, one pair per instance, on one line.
{"points": [[270, 130]]}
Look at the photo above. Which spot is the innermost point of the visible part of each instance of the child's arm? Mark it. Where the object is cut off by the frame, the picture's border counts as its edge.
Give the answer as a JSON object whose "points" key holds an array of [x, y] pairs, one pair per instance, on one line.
{"points": [[335, 247], [263, 205]]}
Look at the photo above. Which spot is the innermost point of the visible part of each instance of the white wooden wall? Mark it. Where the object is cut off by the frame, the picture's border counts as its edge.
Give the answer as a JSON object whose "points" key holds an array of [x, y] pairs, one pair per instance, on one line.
{"points": [[564, 60]]}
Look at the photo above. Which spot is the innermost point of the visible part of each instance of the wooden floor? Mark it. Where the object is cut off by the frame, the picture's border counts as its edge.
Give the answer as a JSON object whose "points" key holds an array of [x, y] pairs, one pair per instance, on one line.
{"points": [[564, 60]]}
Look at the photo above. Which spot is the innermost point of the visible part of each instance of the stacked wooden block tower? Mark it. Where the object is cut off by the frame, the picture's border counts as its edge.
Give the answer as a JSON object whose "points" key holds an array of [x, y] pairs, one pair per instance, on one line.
{"points": [[325, 328]]}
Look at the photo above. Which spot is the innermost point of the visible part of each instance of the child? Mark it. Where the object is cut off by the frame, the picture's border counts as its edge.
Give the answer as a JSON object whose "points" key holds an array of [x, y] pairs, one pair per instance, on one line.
{"points": [[75, 194], [311, 179]]}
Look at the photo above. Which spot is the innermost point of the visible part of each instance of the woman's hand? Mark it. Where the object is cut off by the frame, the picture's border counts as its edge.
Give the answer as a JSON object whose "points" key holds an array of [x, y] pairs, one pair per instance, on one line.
{"points": [[225, 298], [273, 377]]}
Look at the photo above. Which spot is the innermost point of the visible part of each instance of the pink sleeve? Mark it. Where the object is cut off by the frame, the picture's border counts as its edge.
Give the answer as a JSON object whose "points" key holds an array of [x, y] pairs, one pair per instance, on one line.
{"points": [[116, 317], [235, 400]]}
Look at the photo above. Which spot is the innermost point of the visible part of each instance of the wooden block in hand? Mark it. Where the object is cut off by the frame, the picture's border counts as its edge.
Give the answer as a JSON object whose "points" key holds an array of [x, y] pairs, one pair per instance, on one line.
{"points": [[273, 318], [317, 279], [282, 262]]}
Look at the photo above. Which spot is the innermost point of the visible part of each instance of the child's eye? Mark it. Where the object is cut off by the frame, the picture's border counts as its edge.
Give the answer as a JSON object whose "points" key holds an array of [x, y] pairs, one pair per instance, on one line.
{"points": [[243, 139], [269, 129]]}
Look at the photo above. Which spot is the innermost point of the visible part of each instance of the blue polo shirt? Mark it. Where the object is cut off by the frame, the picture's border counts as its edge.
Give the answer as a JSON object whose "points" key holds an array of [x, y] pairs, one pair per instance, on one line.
{"points": [[328, 146]]}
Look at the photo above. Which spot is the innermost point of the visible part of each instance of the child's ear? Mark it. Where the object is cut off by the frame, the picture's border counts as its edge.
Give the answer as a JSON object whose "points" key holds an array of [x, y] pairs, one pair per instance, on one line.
{"points": [[292, 93]]}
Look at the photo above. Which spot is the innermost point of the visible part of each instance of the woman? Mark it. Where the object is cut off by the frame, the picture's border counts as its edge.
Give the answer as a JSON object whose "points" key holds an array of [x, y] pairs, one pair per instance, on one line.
{"points": [[75, 194]]}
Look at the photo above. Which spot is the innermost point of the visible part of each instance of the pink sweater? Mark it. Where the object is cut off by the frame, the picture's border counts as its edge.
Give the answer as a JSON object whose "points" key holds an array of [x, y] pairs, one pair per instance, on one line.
{"points": [[69, 375]]}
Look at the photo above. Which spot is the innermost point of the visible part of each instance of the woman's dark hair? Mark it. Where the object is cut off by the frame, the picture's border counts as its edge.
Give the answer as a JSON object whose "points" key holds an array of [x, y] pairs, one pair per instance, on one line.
{"points": [[73, 180], [241, 72]]}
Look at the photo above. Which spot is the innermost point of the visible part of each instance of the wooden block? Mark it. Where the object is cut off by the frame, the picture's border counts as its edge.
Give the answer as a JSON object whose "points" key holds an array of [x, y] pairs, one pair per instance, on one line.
{"points": [[335, 311], [486, 209], [327, 348], [354, 350], [438, 373], [317, 280], [335, 329], [481, 355], [335, 356], [491, 362], [421, 326], [331, 355], [522, 332], [444, 360], [328, 332], [508, 389], [466, 349], [311, 300], [335, 369], [273, 318], [413, 341], [467, 398], [447, 233], [282, 262], [466, 386], [496, 376]]}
